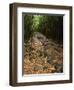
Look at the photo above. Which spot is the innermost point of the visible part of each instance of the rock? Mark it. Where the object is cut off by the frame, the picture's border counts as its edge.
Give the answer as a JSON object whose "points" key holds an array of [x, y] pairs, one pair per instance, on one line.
{"points": [[59, 68], [42, 39], [49, 60], [45, 67], [42, 55]]}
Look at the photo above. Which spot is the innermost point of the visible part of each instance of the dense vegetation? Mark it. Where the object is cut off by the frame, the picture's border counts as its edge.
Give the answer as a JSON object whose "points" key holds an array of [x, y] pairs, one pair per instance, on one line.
{"points": [[50, 26], [43, 44]]}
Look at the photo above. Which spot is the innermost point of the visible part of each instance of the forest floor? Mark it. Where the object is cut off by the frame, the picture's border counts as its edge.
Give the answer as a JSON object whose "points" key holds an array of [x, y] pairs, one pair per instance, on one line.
{"points": [[40, 59]]}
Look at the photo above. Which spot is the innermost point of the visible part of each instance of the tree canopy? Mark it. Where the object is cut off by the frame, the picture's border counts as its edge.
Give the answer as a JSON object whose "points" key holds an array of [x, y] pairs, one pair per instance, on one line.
{"points": [[50, 26]]}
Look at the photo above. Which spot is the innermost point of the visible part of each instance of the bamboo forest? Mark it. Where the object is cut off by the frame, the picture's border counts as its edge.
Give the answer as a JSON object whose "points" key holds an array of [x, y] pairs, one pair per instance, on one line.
{"points": [[43, 44]]}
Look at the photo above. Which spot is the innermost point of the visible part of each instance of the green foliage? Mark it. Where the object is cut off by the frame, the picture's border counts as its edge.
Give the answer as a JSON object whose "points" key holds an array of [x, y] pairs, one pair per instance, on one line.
{"points": [[50, 26], [28, 20]]}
